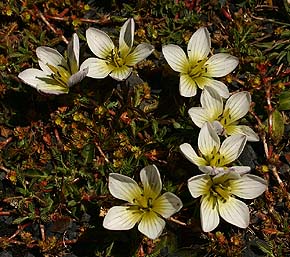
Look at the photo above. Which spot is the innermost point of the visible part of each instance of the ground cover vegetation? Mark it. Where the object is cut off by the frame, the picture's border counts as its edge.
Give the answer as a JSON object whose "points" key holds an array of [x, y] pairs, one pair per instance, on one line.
{"points": [[144, 128]]}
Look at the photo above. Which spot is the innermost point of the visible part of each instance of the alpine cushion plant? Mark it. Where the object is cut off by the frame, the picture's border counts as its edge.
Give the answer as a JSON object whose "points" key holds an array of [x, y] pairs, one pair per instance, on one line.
{"points": [[196, 69], [146, 206], [223, 118], [218, 197], [215, 157], [116, 62], [57, 73]]}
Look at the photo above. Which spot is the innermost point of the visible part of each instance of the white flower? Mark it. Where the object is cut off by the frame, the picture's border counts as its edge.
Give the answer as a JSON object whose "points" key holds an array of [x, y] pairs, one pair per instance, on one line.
{"points": [[215, 156], [57, 74], [224, 119], [145, 207], [217, 197], [111, 60], [197, 70]]}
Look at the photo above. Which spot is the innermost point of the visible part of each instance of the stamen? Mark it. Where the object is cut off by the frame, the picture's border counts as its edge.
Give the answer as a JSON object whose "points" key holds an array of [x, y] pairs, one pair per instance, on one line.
{"points": [[149, 202], [60, 74], [222, 192], [115, 59]]}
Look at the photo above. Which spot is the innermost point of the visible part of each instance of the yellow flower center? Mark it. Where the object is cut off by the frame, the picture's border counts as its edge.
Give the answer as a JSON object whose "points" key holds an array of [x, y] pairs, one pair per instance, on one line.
{"points": [[115, 59], [214, 159], [197, 69], [225, 118], [60, 74], [143, 203], [221, 192]]}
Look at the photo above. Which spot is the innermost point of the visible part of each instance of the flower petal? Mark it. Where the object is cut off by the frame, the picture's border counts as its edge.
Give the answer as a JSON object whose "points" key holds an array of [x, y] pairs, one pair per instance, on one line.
{"points": [[51, 86], [99, 43], [150, 178], [176, 58], [39, 80], [199, 115], [221, 64], [248, 187], [126, 38], [232, 147], [167, 204], [123, 187], [187, 86], [121, 73], [98, 69], [191, 155], [219, 86], [141, 52], [208, 214], [77, 77], [241, 170], [73, 54], [243, 130], [234, 212], [220, 130], [209, 170], [31, 76], [199, 45], [48, 55], [201, 81], [238, 105], [199, 185], [225, 176], [121, 218], [211, 100], [151, 225], [208, 140]]}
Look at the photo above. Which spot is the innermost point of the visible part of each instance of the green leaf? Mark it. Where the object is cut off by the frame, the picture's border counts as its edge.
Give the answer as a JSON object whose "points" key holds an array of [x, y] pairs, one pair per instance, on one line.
{"points": [[284, 101], [71, 203], [88, 153], [264, 247], [278, 127], [167, 244], [20, 220], [288, 57]]}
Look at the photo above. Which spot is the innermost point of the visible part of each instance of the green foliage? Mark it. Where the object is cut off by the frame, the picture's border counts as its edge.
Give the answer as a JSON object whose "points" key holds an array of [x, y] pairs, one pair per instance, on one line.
{"points": [[284, 103], [278, 127]]}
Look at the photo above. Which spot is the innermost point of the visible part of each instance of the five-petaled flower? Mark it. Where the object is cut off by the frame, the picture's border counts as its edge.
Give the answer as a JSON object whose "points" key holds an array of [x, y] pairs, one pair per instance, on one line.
{"points": [[116, 62], [197, 70], [217, 197], [57, 74], [215, 157], [146, 206], [224, 119]]}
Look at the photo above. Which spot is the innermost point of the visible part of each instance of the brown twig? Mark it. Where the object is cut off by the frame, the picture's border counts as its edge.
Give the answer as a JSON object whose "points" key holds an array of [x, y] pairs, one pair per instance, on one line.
{"points": [[99, 147], [5, 213], [269, 20], [101, 152], [5, 142], [58, 139], [42, 232], [49, 25], [270, 109], [177, 221], [263, 134], [104, 20], [19, 229], [5, 169]]}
